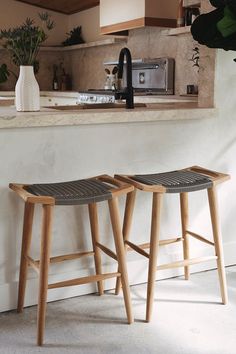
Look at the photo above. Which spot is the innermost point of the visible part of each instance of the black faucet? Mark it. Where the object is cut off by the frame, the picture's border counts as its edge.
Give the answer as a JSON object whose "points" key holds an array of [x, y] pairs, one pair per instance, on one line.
{"points": [[127, 93]]}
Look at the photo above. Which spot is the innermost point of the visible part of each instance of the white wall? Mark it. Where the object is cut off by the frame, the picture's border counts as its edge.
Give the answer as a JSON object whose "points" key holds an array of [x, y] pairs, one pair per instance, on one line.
{"points": [[13, 13], [67, 153], [89, 20]]}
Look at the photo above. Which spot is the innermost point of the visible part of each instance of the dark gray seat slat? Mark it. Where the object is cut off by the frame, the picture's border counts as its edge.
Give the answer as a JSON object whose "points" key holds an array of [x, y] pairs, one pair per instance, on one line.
{"points": [[73, 193], [176, 181]]}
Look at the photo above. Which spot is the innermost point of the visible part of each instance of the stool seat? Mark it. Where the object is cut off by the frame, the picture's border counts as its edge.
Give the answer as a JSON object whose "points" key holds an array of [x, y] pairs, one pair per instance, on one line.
{"points": [[78, 192], [181, 182], [176, 181]]}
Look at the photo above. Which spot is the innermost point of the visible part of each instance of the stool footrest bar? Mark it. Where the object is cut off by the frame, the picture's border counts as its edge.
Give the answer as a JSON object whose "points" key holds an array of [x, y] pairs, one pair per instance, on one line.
{"points": [[141, 247], [186, 262], [70, 257], [58, 259], [84, 280], [170, 240], [106, 250], [138, 248], [200, 238]]}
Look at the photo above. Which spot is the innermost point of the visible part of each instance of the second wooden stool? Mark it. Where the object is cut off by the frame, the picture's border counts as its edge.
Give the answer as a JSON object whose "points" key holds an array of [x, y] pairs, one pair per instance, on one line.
{"points": [[181, 182]]}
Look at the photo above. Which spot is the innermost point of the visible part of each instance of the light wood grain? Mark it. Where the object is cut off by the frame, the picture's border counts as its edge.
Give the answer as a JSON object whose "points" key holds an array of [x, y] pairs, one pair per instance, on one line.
{"points": [[218, 243], [200, 238], [154, 243], [70, 257], [137, 249], [186, 262], [25, 248], [120, 252], [43, 270], [83, 280], [128, 215], [29, 197], [107, 251], [184, 222], [93, 217]]}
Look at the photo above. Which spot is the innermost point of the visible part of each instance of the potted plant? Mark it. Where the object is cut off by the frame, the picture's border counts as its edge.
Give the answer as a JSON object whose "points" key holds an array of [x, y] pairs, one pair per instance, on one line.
{"points": [[23, 43]]}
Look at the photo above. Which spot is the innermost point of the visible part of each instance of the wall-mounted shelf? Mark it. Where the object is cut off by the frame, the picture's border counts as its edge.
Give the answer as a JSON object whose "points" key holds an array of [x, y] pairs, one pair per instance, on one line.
{"points": [[107, 41], [176, 31]]}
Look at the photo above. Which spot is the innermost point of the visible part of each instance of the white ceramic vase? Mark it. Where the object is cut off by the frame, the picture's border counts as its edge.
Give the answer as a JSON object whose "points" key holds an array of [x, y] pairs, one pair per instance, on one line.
{"points": [[27, 94]]}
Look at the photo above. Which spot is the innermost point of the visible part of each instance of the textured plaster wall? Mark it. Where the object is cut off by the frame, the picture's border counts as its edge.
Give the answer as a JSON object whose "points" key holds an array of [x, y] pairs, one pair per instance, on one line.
{"points": [[55, 154], [88, 69]]}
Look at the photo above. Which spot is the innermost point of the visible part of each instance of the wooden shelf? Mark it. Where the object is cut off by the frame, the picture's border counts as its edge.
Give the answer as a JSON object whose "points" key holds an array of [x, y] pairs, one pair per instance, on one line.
{"points": [[107, 41], [176, 31]]}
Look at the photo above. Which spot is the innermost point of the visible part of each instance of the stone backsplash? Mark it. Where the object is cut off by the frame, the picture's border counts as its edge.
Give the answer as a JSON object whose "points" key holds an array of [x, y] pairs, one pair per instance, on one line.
{"points": [[86, 65], [88, 69]]}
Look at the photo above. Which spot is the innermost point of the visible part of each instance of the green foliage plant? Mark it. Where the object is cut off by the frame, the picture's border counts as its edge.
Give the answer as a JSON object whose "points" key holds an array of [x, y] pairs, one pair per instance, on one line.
{"points": [[23, 42], [74, 37]]}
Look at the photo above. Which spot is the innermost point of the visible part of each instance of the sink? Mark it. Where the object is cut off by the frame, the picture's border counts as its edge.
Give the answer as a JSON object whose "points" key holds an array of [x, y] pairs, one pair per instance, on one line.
{"points": [[94, 106]]}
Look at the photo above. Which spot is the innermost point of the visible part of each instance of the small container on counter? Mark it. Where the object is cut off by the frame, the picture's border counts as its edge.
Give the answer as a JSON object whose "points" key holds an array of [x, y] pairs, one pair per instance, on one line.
{"points": [[111, 82]]}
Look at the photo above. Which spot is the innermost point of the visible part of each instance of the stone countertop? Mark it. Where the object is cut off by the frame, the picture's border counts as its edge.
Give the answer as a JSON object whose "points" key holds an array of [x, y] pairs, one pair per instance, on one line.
{"points": [[9, 118], [138, 96]]}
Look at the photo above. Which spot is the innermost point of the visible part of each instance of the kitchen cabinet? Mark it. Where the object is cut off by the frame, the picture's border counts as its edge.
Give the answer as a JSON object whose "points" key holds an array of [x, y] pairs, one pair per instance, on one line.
{"points": [[122, 15]]}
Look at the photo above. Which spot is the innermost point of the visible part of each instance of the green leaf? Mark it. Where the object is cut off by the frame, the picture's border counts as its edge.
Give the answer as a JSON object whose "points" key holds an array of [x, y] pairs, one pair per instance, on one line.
{"points": [[23, 42]]}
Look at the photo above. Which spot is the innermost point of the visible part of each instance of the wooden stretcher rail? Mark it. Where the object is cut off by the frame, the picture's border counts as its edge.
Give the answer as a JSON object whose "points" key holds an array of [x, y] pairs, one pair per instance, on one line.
{"points": [[200, 238], [186, 262], [83, 280]]}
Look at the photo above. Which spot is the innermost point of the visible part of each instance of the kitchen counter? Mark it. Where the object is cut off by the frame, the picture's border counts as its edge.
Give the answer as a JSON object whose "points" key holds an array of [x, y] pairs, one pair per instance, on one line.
{"points": [[9, 118]]}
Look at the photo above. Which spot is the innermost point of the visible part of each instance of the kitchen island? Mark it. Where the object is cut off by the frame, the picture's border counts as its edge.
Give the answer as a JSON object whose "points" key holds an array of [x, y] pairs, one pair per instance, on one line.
{"points": [[9, 118], [56, 145]]}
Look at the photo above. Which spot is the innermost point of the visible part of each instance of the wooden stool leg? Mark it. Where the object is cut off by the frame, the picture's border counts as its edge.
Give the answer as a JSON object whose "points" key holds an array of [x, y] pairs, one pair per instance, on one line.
{"points": [[184, 221], [43, 270], [26, 241], [129, 208], [93, 216], [212, 197], [121, 257], [154, 245]]}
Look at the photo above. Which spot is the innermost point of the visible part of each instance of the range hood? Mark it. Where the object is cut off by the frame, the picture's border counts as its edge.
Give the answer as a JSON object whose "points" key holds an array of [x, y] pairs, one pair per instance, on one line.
{"points": [[63, 6]]}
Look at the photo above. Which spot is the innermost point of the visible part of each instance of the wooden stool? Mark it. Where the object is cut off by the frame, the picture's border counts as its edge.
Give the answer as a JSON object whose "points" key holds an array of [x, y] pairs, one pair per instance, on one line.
{"points": [[87, 191], [183, 181]]}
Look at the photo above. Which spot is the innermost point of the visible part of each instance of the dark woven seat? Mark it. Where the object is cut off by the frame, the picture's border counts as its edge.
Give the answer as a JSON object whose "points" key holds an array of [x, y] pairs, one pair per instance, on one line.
{"points": [[79, 192], [176, 181]]}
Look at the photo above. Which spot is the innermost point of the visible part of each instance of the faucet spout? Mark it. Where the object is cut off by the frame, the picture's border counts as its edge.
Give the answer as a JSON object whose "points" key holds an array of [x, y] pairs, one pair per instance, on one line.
{"points": [[128, 92]]}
